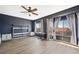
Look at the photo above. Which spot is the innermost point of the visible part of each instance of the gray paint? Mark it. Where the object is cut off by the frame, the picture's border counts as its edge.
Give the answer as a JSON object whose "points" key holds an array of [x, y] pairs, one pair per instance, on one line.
{"points": [[7, 21]]}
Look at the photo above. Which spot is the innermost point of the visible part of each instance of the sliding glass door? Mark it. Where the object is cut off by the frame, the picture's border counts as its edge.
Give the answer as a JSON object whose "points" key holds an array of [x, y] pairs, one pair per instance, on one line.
{"points": [[63, 31]]}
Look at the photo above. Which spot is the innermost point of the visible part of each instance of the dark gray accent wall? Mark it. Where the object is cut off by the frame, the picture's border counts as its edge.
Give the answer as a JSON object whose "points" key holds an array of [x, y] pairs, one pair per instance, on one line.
{"points": [[45, 25], [7, 21], [33, 26]]}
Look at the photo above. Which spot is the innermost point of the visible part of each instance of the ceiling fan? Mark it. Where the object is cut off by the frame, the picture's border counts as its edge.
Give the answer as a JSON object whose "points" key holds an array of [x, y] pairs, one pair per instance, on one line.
{"points": [[29, 10]]}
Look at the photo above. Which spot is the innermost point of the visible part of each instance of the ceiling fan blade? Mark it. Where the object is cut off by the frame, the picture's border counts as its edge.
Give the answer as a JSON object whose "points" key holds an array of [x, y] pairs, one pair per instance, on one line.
{"points": [[34, 13], [24, 8], [34, 10], [24, 12]]}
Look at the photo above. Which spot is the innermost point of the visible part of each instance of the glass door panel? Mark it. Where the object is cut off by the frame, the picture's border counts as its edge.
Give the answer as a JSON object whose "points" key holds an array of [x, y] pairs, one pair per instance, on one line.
{"points": [[63, 31]]}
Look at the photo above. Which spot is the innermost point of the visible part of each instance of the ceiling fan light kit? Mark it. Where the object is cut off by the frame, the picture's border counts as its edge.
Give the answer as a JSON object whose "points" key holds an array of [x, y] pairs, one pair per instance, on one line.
{"points": [[29, 10]]}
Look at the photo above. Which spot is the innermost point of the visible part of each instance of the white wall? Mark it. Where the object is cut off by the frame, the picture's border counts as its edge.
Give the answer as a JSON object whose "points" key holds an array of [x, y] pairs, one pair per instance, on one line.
{"points": [[43, 10]]}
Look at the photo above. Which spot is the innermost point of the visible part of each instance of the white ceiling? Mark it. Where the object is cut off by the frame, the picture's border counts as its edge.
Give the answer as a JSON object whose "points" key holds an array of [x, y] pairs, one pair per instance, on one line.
{"points": [[43, 10]]}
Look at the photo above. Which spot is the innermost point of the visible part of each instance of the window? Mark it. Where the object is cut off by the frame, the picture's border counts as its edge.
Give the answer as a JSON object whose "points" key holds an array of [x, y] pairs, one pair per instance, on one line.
{"points": [[63, 26], [38, 26], [63, 23]]}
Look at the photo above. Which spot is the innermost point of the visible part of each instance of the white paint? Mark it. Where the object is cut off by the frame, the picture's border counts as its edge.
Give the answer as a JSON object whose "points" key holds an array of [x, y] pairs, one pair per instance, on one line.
{"points": [[39, 2], [43, 10]]}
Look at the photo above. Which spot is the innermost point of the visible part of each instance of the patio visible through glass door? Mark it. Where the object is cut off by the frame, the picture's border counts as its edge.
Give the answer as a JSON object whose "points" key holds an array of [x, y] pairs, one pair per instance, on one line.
{"points": [[63, 31]]}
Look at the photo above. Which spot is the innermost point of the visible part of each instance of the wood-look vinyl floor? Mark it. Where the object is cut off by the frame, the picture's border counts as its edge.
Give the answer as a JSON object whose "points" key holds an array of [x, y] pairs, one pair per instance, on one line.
{"points": [[33, 45]]}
